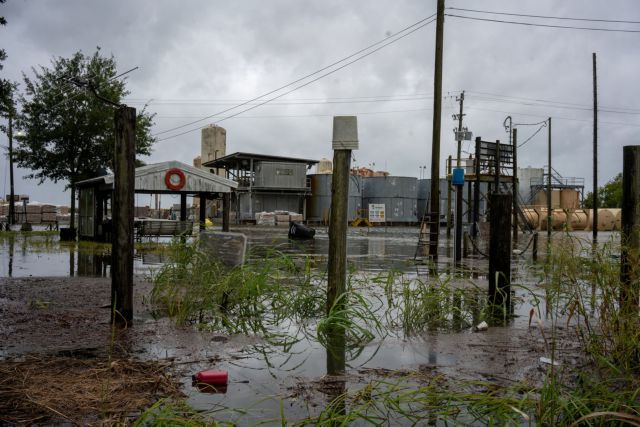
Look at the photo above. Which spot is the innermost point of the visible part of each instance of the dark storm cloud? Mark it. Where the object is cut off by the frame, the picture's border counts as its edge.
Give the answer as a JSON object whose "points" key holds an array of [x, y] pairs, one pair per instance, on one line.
{"points": [[220, 50]]}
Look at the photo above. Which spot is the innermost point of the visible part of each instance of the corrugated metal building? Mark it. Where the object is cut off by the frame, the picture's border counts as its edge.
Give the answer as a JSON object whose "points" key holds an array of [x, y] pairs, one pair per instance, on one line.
{"points": [[266, 183]]}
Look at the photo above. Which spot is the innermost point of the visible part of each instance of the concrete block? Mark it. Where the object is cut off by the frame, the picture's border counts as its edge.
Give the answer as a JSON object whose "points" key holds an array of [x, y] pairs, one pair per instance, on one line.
{"points": [[229, 248], [34, 218], [282, 219], [49, 217]]}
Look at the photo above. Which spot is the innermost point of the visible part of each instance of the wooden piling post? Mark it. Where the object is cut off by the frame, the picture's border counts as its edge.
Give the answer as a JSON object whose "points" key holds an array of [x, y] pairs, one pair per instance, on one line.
{"points": [[123, 213], [345, 138], [500, 250], [630, 233]]}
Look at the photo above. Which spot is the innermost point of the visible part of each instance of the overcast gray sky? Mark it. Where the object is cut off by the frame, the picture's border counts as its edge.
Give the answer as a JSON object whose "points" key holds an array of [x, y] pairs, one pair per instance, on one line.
{"points": [[199, 57]]}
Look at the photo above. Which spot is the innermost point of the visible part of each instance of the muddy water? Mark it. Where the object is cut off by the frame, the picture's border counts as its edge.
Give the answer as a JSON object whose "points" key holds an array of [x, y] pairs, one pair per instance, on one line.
{"points": [[263, 375]]}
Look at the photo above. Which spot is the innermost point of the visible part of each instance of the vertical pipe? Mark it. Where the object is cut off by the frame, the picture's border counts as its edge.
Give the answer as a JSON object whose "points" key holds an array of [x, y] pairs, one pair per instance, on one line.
{"points": [[434, 222], [183, 206], [203, 211], [549, 212], [226, 208], [595, 153]]}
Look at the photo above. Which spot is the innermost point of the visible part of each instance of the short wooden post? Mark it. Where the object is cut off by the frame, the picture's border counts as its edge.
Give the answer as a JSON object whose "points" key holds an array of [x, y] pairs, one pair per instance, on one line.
{"points": [[226, 207], [534, 250], [123, 213], [630, 235], [500, 250]]}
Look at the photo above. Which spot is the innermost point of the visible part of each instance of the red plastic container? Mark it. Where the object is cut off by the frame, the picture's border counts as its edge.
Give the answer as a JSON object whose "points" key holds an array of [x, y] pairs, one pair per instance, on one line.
{"points": [[218, 378]]}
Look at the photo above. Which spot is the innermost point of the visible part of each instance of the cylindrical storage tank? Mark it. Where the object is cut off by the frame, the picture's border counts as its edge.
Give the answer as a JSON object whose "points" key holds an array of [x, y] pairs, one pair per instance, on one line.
{"points": [[533, 219], [541, 199], [617, 214], [399, 195], [569, 199], [577, 219], [424, 190], [559, 219], [319, 205], [424, 196], [606, 220]]}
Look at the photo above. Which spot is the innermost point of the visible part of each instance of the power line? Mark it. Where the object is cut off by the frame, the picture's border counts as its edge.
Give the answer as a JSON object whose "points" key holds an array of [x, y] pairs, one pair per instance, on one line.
{"points": [[300, 86], [236, 101], [285, 102], [615, 21], [559, 105], [531, 24], [575, 119], [546, 101], [271, 116], [419, 24], [543, 125]]}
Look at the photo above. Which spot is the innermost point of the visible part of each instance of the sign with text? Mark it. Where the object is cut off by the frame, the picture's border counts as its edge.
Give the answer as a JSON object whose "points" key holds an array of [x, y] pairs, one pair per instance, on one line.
{"points": [[377, 212]]}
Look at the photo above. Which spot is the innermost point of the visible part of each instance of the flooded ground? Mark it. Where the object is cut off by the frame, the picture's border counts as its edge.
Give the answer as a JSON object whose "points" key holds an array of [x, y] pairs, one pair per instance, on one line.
{"points": [[55, 298]]}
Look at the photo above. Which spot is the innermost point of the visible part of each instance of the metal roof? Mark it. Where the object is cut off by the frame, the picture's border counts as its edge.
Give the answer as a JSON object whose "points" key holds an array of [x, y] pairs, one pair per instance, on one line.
{"points": [[241, 160], [150, 178]]}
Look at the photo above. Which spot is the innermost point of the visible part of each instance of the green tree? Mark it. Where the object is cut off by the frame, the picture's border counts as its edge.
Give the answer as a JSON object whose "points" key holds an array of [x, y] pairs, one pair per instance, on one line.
{"points": [[67, 131], [609, 195]]}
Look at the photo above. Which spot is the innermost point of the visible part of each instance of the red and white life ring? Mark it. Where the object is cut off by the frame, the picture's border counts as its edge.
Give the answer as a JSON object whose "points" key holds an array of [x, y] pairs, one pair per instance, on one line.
{"points": [[174, 179]]}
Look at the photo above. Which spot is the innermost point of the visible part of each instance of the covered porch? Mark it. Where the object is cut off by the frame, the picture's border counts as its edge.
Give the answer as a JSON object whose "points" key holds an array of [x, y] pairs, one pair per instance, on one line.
{"points": [[171, 178]]}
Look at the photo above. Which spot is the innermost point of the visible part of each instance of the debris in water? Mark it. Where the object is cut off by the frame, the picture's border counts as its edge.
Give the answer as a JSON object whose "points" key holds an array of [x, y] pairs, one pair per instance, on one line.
{"points": [[482, 326], [547, 361], [212, 377]]}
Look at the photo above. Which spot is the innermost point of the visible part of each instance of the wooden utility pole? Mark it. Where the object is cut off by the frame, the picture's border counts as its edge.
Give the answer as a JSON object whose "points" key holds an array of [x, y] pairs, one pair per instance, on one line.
{"points": [[549, 212], [449, 191], [459, 188], [630, 236], [500, 250], [12, 207], [434, 222], [123, 213], [595, 152]]}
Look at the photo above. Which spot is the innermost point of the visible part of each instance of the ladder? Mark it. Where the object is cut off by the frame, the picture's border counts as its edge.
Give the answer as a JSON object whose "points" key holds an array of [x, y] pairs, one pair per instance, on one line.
{"points": [[427, 224]]}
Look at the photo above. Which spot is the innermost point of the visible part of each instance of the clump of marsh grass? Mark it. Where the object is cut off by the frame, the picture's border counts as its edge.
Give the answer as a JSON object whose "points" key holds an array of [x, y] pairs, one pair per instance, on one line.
{"points": [[582, 290]]}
